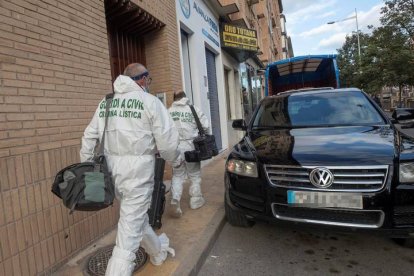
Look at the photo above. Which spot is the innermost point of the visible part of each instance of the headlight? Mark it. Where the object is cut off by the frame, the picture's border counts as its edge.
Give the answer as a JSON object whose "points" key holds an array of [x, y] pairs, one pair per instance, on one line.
{"points": [[406, 172], [240, 167]]}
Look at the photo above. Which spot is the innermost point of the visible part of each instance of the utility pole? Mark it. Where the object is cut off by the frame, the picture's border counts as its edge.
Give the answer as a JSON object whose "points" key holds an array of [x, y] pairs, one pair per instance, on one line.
{"points": [[357, 31], [359, 45]]}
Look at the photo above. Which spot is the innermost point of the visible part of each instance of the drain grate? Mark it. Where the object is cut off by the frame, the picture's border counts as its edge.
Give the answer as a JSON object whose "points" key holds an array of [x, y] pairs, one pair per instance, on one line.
{"points": [[97, 263]]}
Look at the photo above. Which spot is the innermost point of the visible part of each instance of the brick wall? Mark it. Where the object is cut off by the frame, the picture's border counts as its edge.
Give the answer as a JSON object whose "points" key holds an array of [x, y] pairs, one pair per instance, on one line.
{"points": [[162, 48], [54, 68]]}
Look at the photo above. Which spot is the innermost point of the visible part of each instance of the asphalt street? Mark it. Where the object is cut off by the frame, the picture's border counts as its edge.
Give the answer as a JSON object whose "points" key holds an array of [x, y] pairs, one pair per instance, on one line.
{"points": [[269, 249]]}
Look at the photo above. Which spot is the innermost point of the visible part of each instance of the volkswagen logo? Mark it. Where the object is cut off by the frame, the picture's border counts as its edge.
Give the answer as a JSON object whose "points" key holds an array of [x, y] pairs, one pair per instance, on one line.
{"points": [[321, 177]]}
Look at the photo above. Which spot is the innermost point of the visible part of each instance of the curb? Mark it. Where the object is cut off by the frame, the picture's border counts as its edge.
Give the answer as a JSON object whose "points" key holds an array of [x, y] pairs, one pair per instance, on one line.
{"points": [[199, 253]]}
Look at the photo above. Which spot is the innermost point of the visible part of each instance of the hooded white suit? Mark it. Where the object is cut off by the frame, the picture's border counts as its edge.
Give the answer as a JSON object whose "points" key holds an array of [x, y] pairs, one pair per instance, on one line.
{"points": [[184, 121], [138, 127]]}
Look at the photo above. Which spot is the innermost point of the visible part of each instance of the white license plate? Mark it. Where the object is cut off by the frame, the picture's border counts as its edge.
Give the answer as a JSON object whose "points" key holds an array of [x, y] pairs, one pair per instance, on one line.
{"points": [[325, 199]]}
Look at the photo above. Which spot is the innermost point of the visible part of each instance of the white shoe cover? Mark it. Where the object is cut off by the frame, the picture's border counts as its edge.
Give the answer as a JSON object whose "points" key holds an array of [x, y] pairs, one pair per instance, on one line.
{"points": [[165, 249], [176, 209], [150, 241], [121, 263], [197, 202]]}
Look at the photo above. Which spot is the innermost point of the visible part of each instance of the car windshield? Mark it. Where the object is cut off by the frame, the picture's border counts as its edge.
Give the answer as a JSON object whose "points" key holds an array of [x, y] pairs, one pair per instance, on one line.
{"points": [[317, 109]]}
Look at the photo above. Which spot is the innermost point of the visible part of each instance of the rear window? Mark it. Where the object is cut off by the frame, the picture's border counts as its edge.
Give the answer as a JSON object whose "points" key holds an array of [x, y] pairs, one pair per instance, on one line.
{"points": [[317, 109]]}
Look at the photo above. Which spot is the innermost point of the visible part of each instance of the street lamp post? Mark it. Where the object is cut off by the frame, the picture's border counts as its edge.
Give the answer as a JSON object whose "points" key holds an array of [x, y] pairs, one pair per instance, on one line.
{"points": [[357, 28]]}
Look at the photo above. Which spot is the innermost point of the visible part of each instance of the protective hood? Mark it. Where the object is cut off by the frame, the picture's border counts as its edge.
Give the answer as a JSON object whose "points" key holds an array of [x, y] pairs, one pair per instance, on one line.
{"points": [[184, 120], [183, 101], [124, 84]]}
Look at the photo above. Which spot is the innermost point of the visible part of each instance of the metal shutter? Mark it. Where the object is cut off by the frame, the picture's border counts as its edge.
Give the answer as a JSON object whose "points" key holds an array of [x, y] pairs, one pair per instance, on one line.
{"points": [[213, 95]]}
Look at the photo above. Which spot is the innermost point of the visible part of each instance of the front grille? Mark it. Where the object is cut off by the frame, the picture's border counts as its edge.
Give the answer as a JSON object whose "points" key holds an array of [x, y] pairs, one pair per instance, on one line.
{"points": [[404, 215], [336, 217], [346, 178]]}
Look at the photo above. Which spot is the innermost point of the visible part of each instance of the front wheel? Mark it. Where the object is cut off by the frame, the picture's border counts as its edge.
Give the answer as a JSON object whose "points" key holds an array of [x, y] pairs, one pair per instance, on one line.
{"points": [[235, 217]]}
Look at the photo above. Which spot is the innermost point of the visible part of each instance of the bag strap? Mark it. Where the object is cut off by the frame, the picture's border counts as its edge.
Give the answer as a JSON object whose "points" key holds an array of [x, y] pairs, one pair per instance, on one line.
{"points": [[199, 126], [100, 151]]}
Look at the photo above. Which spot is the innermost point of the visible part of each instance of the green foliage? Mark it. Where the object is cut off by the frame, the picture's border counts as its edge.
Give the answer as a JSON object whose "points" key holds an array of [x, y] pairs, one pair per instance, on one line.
{"points": [[400, 15], [348, 61], [387, 56]]}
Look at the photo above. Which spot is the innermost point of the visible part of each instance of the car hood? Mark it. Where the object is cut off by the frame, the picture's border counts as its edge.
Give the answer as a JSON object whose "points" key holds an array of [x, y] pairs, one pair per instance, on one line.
{"points": [[329, 146]]}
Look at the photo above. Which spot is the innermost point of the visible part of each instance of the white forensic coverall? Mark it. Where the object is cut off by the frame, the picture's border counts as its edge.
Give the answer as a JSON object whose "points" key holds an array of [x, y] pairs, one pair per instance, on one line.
{"points": [[138, 127], [184, 121]]}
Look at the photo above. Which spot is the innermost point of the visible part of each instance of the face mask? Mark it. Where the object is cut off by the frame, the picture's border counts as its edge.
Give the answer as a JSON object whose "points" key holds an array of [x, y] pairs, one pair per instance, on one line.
{"points": [[147, 85], [144, 87]]}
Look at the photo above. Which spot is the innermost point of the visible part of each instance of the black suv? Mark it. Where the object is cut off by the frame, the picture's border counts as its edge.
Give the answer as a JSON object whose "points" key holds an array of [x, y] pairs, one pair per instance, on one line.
{"points": [[328, 156]]}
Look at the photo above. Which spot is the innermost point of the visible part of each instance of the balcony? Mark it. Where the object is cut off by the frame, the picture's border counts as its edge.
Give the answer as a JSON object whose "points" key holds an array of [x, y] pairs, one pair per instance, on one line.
{"points": [[225, 7], [240, 18], [261, 10], [273, 21]]}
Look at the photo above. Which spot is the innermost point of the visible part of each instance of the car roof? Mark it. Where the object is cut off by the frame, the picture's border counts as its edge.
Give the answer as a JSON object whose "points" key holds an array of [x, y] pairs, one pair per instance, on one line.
{"points": [[318, 90]]}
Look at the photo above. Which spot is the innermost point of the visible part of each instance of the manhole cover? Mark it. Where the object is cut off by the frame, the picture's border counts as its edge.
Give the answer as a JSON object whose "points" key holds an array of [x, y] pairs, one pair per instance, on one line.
{"points": [[97, 263]]}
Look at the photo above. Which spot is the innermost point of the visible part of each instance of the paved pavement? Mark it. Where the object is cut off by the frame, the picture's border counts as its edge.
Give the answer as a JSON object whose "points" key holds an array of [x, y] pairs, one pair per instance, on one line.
{"points": [[268, 249]]}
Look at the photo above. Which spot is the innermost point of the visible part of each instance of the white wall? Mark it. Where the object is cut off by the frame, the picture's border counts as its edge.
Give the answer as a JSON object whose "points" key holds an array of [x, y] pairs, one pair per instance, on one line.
{"points": [[199, 28]]}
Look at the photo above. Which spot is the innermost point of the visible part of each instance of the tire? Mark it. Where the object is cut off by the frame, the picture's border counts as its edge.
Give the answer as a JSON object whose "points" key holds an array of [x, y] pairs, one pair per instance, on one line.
{"points": [[236, 218], [404, 242]]}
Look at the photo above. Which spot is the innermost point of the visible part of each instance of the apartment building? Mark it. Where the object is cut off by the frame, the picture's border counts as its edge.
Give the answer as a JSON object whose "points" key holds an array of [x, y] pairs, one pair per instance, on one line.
{"points": [[286, 42], [57, 60], [225, 46]]}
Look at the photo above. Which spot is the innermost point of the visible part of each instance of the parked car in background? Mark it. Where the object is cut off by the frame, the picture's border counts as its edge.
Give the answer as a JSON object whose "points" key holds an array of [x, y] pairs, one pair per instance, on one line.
{"points": [[323, 156]]}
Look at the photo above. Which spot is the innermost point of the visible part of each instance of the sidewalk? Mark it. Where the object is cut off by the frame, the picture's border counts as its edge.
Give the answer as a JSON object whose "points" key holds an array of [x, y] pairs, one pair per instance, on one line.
{"points": [[191, 236]]}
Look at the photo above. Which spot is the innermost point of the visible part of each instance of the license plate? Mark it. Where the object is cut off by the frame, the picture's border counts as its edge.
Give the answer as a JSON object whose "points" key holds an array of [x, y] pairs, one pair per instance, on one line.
{"points": [[325, 200]]}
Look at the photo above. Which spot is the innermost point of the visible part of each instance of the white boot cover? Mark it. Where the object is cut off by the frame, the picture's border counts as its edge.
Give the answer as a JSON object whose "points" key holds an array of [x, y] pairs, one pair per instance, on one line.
{"points": [[159, 258], [176, 208], [121, 263], [197, 202]]}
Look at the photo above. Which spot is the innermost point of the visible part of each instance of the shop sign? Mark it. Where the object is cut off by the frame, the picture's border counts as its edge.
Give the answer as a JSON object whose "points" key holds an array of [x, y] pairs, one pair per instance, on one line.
{"points": [[206, 18], [238, 38]]}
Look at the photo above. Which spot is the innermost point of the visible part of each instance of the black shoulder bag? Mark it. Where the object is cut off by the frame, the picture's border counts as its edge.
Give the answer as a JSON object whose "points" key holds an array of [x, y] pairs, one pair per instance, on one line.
{"points": [[205, 144], [87, 186]]}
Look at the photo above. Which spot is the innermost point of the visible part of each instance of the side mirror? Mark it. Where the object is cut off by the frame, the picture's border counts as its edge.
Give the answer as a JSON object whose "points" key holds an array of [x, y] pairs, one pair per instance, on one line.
{"points": [[239, 124], [403, 115]]}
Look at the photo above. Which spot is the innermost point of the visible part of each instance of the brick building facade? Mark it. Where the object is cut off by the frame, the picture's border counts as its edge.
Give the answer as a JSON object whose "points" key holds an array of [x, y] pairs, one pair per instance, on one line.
{"points": [[55, 67]]}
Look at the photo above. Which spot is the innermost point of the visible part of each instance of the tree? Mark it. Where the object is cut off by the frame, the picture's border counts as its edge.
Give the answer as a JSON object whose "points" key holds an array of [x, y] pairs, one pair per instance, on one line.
{"points": [[400, 15], [387, 56], [394, 57], [348, 60]]}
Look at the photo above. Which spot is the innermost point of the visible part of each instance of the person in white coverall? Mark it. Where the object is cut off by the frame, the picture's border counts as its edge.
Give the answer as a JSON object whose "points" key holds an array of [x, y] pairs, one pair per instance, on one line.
{"points": [[138, 127], [184, 121]]}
